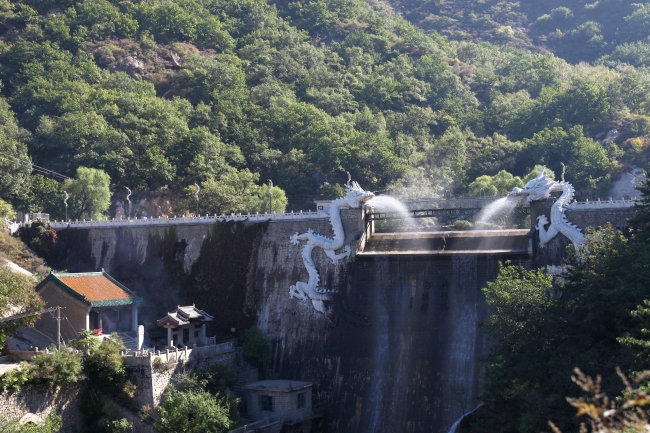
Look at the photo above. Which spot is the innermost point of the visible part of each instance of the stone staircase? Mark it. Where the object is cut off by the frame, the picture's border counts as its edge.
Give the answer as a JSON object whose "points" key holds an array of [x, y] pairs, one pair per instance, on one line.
{"points": [[130, 339]]}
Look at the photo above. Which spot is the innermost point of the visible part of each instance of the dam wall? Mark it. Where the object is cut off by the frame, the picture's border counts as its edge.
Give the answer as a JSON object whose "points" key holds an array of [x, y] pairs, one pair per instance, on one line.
{"points": [[400, 349]]}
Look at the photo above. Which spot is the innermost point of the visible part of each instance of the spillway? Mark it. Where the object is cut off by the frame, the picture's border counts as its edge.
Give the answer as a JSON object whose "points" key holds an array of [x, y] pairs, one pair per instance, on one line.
{"points": [[410, 339]]}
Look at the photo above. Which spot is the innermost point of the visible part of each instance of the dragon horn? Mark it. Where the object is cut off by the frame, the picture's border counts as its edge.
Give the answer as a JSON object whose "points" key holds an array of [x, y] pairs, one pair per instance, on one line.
{"points": [[541, 172]]}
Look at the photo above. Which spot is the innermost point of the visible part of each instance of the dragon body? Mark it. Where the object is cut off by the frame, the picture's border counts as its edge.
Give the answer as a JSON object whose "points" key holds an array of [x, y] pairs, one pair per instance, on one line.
{"points": [[309, 290], [540, 188]]}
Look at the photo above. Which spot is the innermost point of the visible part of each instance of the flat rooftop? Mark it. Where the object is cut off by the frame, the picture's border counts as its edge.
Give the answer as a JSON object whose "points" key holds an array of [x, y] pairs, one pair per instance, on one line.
{"points": [[278, 385]]}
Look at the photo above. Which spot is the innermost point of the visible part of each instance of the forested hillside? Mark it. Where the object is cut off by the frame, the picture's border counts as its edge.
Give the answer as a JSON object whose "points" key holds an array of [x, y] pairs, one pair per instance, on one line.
{"points": [[163, 94], [605, 31]]}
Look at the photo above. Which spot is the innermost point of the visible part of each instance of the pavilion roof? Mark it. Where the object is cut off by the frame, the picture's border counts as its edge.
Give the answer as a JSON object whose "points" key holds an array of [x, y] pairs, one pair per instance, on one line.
{"points": [[184, 316], [97, 289]]}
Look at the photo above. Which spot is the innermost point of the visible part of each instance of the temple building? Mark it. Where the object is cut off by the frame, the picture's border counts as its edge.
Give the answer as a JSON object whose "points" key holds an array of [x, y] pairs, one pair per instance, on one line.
{"points": [[90, 301], [185, 326]]}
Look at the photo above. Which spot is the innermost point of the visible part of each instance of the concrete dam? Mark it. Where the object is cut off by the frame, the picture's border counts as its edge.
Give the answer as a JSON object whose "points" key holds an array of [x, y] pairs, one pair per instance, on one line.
{"points": [[391, 333]]}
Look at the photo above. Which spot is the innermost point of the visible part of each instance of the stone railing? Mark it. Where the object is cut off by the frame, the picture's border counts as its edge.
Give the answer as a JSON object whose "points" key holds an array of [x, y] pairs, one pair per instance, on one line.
{"points": [[601, 204], [223, 350], [201, 219]]}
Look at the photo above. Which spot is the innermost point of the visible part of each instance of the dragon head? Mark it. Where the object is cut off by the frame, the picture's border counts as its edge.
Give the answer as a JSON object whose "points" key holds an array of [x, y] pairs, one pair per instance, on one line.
{"points": [[355, 196], [536, 189]]}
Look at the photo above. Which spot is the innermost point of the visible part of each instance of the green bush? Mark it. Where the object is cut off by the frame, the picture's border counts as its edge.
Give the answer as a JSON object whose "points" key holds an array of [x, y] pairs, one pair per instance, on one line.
{"points": [[105, 365], [17, 291], [85, 341], [462, 225], [257, 349], [192, 411], [121, 425], [13, 379], [61, 367]]}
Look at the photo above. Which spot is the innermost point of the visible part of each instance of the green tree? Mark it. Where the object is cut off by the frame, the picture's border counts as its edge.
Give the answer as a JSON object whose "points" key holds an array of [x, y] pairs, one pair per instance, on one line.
{"points": [[499, 184], [545, 328], [6, 211], [15, 163], [194, 411], [586, 161], [89, 193], [236, 192], [153, 169], [45, 195]]}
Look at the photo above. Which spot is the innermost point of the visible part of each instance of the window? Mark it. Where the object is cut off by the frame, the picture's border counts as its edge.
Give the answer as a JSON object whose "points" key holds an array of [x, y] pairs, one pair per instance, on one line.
{"points": [[266, 403], [301, 400]]}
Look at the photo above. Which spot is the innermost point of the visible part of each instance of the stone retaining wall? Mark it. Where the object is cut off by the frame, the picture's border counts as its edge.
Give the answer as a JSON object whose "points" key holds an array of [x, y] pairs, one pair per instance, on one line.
{"points": [[41, 400], [152, 373]]}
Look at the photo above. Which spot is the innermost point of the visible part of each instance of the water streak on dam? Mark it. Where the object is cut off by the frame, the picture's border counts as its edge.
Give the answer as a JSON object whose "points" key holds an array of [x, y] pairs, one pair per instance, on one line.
{"points": [[424, 338]]}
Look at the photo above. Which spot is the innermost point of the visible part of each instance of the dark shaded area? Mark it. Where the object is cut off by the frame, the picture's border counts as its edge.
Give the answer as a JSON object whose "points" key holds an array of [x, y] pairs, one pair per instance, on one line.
{"points": [[64, 249], [220, 281]]}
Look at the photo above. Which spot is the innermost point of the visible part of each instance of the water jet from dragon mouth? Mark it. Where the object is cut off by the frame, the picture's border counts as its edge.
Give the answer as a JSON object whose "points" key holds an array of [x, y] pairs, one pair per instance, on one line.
{"points": [[386, 203], [501, 208]]}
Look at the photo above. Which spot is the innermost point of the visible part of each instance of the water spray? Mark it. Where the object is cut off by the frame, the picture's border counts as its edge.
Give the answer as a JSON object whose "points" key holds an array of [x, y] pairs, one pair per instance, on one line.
{"points": [[65, 202], [128, 198], [196, 194]]}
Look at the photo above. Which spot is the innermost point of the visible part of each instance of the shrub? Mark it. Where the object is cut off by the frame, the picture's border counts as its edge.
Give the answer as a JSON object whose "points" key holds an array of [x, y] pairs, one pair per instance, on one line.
{"points": [[61, 367], [105, 365], [192, 412], [13, 379], [257, 349], [462, 225], [85, 341], [121, 425], [219, 378]]}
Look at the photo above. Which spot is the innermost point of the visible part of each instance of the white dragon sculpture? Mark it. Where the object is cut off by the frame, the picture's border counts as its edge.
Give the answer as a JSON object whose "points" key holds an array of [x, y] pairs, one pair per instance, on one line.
{"points": [[540, 188], [308, 290]]}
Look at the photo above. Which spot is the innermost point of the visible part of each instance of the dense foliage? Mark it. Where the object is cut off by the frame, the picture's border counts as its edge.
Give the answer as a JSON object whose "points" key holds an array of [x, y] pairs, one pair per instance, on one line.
{"points": [[163, 95], [104, 365], [198, 403], [577, 30], [59, 368]]}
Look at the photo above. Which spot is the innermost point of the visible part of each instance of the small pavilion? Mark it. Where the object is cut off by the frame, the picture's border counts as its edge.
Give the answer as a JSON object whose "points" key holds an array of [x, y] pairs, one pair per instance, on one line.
{"points": [[185, 326]]}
